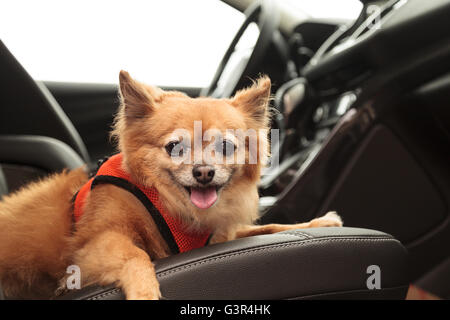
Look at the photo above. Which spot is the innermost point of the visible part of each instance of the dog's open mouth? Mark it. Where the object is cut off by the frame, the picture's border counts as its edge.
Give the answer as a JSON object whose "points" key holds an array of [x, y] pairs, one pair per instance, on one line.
{"points": [[203, 198]]}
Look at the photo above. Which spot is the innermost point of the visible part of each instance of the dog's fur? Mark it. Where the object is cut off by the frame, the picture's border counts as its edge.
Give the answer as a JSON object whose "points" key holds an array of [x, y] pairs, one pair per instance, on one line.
{"points": [[116, 240]]}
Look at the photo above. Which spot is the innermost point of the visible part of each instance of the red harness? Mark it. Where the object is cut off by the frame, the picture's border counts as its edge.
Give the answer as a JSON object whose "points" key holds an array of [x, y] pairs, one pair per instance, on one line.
{"points": [[111, 172]]}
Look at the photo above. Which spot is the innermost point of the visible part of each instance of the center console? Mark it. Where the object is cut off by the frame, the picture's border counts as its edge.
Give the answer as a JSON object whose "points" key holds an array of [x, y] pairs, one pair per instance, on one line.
{"points": [[355, 141]]}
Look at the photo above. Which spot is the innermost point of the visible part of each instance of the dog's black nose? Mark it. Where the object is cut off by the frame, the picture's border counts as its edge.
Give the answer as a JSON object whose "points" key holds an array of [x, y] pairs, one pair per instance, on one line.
{"points": [[203, 174]]}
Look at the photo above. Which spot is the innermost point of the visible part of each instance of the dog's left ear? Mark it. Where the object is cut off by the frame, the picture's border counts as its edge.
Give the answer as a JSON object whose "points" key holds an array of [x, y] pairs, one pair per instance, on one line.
{"points": [[254, 101], [138, 100]]}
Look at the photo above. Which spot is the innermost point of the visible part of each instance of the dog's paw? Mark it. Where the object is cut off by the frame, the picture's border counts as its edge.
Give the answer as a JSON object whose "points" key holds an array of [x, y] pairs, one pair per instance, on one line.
{"points": [[62, 286], [151, 294], [61, 290], [331, 219], [144, 297]]}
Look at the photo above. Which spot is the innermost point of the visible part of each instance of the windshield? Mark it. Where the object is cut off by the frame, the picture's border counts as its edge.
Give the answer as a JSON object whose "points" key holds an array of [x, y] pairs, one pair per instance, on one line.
{"points": [[163, 42], [338, 9]]}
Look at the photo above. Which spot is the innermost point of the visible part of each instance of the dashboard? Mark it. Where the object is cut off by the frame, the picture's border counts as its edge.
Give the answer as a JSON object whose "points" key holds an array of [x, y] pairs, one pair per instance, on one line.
{"points": [[387, 37], [342, 68]]}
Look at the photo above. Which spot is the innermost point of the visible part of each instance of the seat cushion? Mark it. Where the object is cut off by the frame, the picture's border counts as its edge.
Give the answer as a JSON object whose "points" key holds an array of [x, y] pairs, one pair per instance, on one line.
{"points": [[317, 263]]}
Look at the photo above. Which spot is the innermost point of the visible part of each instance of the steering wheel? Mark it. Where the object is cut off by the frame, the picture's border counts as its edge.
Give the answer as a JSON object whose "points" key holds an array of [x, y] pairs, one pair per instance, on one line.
{"points": [[265, 15]]}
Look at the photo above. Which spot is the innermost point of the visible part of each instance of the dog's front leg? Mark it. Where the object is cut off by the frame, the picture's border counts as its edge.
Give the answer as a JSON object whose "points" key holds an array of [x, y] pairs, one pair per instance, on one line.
{"points": [[112, 257], [331, 219]]}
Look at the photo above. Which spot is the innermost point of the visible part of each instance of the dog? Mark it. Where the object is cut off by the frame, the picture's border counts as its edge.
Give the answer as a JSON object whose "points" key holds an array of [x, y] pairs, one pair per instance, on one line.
{"points": [[102, 224]]}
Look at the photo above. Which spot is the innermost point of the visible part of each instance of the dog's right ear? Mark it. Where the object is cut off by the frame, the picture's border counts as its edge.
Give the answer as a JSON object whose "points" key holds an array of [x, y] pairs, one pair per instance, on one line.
{"points": [[254, 101], [136, 98]]}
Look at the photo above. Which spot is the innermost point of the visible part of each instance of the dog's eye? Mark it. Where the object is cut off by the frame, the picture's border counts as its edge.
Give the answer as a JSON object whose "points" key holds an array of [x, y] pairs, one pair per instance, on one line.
{"points": [[228, 148], [174, 149]]}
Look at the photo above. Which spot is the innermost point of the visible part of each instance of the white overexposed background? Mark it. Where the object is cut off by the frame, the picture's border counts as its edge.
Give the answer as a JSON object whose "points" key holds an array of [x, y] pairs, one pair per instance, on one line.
{"points": [[164, 42]]}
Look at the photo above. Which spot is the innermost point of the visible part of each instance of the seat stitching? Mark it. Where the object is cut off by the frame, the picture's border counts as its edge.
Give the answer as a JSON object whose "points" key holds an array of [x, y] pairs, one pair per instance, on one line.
{"points": [[297, 233], [105, 294], [248, 251]]}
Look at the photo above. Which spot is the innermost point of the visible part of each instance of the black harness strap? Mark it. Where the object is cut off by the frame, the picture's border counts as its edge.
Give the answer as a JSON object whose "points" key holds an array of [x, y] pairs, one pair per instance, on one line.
{"points": [[209, 239], [156, 215]]}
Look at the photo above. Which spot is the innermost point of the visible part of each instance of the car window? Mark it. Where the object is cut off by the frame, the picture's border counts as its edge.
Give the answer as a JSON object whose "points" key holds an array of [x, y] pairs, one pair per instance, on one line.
{"points": [[338, 9], [164, 42]]}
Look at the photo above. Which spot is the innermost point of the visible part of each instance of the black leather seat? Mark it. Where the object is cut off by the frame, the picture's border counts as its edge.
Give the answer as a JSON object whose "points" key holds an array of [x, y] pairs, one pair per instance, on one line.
{"points": [[320, 263], [28, 108]]}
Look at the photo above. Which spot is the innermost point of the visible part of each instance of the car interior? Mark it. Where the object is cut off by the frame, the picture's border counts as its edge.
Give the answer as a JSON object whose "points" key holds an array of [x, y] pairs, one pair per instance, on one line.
{"points": [[362, 109]]}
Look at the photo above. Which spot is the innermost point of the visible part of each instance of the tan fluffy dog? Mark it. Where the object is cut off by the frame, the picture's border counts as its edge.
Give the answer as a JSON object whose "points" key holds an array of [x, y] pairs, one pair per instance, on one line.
{"points": [[116, 239]]}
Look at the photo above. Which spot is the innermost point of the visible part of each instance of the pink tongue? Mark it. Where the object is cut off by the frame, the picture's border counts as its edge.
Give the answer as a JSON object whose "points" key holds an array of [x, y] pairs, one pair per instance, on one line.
{"points": [[203, 198]]}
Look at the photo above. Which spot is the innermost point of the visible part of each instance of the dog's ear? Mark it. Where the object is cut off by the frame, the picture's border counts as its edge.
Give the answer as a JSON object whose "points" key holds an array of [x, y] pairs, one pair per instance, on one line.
{"points": [[254, 101], [138, 100]]}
